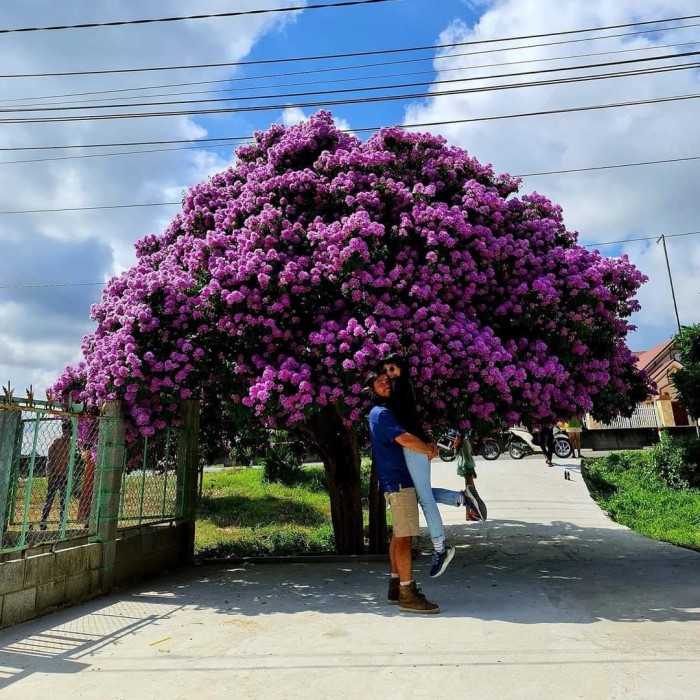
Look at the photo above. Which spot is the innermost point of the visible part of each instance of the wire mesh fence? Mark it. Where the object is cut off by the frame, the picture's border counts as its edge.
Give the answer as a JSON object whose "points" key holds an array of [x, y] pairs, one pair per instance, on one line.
{"points": [[48, 466], [54, 465], [150, 491]]}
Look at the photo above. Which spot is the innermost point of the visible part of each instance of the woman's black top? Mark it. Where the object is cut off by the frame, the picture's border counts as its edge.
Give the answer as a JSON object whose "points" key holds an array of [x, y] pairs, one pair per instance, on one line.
{"points": [[402, 404]]}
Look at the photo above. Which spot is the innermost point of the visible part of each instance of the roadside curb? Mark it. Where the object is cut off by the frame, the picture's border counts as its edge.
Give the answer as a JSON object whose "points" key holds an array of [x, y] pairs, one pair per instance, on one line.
{"points": [[298, 559]]}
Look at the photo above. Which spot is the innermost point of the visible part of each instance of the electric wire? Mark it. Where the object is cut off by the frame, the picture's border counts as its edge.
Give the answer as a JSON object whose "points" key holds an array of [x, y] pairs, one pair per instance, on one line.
{"points": [[376, 99], [376, 52], [218, 15], [40, 98], [102, 284], [403, 86], [566, 171]]}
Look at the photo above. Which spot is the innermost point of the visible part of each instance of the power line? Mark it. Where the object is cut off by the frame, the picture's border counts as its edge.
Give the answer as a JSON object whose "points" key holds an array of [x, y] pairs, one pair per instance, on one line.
{"points": [[118, 153], [164, 204], [102, 284], [105, 206], [249, 138], [642, 238], [219, 15], [379, 52], [380, 98], [41, 99], [60, 284], [366, 65], [242, 138], [605, 167], [124, 143], [403, 86]]}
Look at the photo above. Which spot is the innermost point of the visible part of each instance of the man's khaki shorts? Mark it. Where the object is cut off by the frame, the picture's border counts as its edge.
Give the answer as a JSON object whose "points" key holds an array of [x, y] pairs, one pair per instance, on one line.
{"points": [[404, 512]]}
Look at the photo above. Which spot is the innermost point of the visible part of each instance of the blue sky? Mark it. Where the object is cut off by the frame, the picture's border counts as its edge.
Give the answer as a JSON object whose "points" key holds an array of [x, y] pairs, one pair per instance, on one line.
{"points": [[407, 23], [41, 328]]}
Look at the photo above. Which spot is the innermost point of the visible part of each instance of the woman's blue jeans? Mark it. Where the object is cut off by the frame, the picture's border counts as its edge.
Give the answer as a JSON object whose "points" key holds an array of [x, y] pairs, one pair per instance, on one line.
{"points": [[428, 497]]}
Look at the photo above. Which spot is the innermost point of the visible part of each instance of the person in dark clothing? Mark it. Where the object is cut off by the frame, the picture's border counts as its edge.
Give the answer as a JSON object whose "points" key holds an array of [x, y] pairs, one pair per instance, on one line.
{"points": [[547, 443], [57, 473]]}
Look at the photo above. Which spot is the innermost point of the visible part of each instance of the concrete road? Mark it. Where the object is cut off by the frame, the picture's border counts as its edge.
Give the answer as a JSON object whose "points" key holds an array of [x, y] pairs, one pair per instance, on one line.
{"points": [[548, 599]]}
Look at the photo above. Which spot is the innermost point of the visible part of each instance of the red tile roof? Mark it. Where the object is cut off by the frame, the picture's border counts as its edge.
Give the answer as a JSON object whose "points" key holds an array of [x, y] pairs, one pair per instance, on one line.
{"points": [[646, 357]]}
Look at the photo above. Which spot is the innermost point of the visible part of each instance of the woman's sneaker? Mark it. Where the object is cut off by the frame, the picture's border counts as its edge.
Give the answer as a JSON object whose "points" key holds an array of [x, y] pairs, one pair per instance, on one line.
{"points": [[412, 600], [440, 561], [473, 502]]}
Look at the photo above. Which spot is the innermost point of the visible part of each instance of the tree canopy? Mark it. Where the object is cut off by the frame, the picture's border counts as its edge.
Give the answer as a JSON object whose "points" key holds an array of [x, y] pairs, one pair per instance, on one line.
{"points": [[289, 275], [687, 379]]}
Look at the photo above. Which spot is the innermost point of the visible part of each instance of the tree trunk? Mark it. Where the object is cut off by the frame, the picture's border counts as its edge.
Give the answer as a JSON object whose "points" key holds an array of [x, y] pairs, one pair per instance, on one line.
{"points": [[338, 448], [378, 533]]}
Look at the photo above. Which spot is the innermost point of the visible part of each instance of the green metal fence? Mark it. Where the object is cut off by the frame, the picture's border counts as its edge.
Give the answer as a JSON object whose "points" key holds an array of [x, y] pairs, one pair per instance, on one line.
{"points": [[150, 491], [50, 462], [53, 465]]}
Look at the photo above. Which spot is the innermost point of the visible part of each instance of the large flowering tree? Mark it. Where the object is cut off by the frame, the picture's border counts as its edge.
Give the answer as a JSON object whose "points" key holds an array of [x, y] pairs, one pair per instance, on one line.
{"points": [[285, 278]]}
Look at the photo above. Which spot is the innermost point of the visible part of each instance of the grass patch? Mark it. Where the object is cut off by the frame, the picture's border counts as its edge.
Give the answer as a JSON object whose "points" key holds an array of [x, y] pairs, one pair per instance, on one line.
{"points": [[240, 514], [628, 487]]}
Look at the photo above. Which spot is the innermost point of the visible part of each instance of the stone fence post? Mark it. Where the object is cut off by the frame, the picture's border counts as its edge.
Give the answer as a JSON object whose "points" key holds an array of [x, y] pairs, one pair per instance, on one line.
{"points": [[111, 468]]}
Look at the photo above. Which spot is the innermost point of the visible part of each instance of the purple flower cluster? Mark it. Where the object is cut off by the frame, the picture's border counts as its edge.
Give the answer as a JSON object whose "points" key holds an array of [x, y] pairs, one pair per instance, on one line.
{"points": [[285, 278]]}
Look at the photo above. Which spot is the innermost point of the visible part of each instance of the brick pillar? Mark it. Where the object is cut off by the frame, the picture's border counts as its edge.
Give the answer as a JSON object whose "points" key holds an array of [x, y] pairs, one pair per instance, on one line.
{"points": [[664, 411], [188, 463], [111, 466]]}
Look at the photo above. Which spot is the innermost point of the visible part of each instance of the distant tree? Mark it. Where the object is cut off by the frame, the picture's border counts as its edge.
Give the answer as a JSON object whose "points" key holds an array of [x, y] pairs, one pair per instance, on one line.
{"points": [[288, 276], [687, 379]]}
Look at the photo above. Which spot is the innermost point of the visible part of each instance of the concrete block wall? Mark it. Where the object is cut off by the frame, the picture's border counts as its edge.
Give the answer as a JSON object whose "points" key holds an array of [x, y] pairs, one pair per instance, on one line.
{"points": [[632, 438], [34, 585], [148, 551]]}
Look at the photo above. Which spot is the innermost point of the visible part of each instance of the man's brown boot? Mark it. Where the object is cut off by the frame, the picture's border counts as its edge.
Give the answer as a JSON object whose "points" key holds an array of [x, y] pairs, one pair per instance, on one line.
{"points": [[412, 600], [392, 596]]}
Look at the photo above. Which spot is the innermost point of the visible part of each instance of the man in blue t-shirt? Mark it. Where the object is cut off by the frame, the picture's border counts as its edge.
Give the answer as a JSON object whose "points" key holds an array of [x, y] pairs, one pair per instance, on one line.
{"points": [[388, 437]]}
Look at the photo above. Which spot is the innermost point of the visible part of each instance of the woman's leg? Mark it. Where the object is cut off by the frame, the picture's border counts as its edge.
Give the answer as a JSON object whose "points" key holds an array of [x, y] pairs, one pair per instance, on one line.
{"points": [[419, 468], [547, 438], [575, 439]]}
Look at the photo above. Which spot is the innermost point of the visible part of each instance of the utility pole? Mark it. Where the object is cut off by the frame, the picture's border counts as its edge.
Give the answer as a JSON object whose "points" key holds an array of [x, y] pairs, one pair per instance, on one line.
{"points": [[662, 238]]}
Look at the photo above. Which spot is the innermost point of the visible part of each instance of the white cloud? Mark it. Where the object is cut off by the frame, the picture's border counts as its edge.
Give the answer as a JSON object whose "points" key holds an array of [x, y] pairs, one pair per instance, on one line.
{"points": [[41, 329], [603, 205], [292, 116]]}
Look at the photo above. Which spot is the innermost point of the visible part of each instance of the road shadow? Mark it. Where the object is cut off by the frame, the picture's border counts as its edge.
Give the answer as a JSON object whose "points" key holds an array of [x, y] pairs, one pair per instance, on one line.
{"points": [[60, 643], [506, 570]]}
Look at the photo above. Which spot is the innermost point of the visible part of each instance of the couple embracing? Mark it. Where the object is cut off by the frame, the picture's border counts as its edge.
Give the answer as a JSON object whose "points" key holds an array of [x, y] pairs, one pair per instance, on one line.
{"points": [[402, 453]]}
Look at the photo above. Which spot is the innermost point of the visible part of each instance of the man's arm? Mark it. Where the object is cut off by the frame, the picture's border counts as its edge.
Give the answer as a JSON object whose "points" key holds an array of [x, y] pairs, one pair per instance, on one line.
{"points": [[415, 444]]}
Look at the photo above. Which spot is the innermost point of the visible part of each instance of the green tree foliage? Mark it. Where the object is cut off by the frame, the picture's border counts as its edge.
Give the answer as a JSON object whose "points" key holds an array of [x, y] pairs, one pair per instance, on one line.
{"points": [[687, 379]]}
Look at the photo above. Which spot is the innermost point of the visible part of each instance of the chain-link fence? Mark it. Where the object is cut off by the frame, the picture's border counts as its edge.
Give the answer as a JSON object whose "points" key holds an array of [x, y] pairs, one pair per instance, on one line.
{"points": [[53, 466], [150, 492], [49, 462]]}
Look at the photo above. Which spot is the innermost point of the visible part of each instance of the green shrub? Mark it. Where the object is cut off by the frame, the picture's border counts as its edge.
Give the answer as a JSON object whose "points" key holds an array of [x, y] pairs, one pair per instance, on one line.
{"points": [[691, 454], [282, 464], [365, 473], [631, 490], [669, 461]]}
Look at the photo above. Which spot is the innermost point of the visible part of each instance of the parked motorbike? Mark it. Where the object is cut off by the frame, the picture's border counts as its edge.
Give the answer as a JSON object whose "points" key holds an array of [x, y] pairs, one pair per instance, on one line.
{"points": [[521, 444], [488, 447]]}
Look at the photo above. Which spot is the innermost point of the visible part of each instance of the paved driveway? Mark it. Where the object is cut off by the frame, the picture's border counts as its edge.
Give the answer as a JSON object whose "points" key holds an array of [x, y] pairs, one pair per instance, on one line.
{"points": [[549, 599]]}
